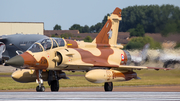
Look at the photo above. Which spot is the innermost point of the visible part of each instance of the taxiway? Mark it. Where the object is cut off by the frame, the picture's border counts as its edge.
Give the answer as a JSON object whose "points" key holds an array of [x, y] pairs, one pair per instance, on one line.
{"points": [[110, 96]]}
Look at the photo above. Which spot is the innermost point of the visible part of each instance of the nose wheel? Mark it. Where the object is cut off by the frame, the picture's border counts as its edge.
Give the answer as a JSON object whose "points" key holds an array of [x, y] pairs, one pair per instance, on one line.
{"points": [[108, 86], [40, 89]]}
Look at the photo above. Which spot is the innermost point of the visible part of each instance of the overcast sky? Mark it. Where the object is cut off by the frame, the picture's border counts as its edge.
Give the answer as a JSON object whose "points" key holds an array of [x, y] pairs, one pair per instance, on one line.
{"points": [[66, 12]]}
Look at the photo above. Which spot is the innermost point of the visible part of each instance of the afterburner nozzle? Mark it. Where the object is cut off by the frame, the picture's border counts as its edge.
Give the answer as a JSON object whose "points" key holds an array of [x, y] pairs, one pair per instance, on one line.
{"points": [[16, 61]]}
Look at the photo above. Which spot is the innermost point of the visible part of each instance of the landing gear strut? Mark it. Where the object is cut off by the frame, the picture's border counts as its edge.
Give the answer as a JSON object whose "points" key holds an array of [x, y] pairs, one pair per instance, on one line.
{"points": [[108, 86], [39, 88]]}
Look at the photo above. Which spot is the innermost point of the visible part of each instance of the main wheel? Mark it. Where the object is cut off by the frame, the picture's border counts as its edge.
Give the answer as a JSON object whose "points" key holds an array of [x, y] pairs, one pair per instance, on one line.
{"points": [[169, 64], [108, 86], [55, 85], [40, 89]]}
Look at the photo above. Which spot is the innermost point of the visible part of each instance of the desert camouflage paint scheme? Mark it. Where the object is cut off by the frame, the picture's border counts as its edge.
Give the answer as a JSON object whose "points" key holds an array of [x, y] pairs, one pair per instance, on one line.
{"points": [[104, 60]]}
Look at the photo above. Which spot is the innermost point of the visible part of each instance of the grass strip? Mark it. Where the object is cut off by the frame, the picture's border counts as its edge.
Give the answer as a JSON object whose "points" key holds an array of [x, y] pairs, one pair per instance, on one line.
{"points": [[148, 77]]}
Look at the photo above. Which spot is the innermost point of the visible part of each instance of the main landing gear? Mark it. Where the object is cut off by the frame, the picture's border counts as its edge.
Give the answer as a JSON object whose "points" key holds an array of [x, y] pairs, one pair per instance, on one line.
{"points": [[54, 84], [108, 86]]}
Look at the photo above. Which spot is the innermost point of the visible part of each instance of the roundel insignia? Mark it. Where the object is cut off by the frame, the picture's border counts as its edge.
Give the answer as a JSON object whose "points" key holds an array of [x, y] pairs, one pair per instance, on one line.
{"points": [[122, 57]]}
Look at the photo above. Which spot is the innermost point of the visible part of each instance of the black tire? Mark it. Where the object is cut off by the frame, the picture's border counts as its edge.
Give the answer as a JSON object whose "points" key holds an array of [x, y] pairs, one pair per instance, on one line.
{"points": [[55, 86], [169, 64], [108, 86], [40, 89]]}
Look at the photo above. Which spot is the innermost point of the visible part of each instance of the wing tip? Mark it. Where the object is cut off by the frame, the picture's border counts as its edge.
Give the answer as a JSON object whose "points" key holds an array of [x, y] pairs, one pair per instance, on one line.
{"points": [[158, 68]]}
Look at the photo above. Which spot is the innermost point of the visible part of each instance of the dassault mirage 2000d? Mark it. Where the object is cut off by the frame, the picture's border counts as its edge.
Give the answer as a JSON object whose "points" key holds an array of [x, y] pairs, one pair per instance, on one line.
{"points": [[103, 59]]}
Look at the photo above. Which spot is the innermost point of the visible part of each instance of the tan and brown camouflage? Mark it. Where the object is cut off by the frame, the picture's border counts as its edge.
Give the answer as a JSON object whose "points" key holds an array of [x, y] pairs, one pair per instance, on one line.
{"points": [[104, 60]]}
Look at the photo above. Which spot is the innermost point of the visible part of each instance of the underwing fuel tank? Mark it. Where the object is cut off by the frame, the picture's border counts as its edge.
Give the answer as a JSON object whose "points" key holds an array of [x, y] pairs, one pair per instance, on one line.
{"points": [[101, 76], [27, 75]]}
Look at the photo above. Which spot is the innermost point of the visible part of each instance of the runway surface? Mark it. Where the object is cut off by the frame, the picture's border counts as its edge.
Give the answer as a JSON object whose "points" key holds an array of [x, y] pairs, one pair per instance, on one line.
{"points": [[93, 96]]}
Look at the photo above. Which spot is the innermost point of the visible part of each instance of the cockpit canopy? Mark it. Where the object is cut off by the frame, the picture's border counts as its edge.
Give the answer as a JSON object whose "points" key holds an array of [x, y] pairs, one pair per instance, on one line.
{"points": [[46, 44]]}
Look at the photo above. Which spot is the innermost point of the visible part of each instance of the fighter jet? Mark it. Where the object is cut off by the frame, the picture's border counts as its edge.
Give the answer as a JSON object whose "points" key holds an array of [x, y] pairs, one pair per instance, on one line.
{"points": [[103, 60], [15, 44], [169, 60], [142, 57]]}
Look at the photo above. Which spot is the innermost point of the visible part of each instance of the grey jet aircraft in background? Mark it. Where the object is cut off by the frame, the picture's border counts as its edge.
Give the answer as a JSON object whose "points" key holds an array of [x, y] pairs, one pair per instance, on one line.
{"points": [[169, 60], [12, 45]]}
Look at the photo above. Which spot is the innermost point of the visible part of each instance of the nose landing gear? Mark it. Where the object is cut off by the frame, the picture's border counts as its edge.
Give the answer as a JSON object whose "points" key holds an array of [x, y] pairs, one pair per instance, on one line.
{"points": [[39, 88]]}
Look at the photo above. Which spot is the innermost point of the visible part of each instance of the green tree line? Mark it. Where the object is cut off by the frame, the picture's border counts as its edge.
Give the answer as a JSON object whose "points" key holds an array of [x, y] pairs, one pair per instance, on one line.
{"points": [[86, 29], [163, 19]]}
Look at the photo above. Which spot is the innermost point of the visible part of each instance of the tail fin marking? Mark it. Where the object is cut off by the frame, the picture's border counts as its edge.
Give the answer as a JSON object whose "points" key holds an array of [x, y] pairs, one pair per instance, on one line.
{"points": [[109, 32]]}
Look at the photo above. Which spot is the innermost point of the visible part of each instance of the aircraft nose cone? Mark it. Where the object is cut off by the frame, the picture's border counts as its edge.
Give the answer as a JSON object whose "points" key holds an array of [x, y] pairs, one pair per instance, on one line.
{"points": [[16, 61]]}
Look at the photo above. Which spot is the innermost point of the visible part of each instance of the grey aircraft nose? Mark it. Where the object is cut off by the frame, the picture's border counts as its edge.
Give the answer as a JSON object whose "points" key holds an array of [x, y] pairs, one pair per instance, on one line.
{"points": [[16, 61]]}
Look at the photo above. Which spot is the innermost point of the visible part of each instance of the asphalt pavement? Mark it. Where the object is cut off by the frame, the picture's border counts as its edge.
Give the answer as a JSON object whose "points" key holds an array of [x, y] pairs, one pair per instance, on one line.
{"points": [[92, 96]]}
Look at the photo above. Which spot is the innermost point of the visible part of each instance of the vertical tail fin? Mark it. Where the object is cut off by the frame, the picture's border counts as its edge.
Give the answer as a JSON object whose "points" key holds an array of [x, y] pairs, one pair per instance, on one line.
{"points": [[109, 32]]}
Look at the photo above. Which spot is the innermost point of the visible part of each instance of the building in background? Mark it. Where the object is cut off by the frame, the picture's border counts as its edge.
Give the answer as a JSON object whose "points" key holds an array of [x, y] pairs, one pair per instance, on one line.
{"points": [[8, 28]]}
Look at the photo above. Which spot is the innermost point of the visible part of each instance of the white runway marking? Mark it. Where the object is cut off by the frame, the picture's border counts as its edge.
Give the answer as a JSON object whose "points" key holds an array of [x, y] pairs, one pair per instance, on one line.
{"points": [[93, 96]]}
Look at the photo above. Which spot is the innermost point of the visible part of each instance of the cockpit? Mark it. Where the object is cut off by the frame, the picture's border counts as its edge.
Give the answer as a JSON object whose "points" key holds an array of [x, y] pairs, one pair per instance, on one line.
{"points": [[46, 44]]}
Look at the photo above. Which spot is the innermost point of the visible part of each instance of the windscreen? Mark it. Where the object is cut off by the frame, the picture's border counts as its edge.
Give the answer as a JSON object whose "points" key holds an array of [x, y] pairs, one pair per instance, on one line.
{"points": [[35, 48], [46, 45]]}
